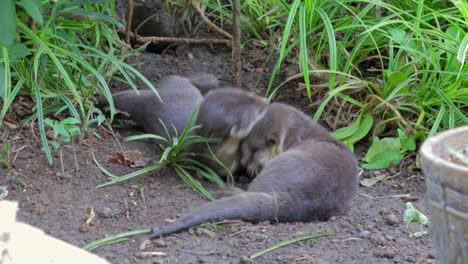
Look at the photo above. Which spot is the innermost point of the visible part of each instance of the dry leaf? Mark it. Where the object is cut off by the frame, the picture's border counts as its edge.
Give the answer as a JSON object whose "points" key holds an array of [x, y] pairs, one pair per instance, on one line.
{"points": [[120, 158], [368, 182]]}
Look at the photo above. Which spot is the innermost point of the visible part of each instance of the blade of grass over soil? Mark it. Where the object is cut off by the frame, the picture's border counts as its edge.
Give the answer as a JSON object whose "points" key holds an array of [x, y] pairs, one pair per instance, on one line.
{"points": [[72, 50], [174, 152], [310, 238], [121, 237]]}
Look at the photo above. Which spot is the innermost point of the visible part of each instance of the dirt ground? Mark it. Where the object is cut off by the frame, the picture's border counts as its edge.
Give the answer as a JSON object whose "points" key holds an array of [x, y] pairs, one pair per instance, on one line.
{"points": [[372, 231]]}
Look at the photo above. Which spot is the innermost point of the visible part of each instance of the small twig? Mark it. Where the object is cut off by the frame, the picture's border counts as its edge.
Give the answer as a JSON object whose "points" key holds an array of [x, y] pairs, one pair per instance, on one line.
{"points": [[209, 23], [61, 162], [184, 40], [126, 208], [236, 46], [128, 24], [76, 159], [141, 39]]}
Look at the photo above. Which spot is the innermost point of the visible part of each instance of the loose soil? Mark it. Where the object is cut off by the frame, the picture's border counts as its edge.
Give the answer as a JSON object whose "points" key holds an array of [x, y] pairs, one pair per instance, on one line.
{"points": [[372, 231]]}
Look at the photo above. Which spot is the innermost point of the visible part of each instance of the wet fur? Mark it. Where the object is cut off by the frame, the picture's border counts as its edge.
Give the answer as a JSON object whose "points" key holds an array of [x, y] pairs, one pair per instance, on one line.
{"points": [[313, 177]]}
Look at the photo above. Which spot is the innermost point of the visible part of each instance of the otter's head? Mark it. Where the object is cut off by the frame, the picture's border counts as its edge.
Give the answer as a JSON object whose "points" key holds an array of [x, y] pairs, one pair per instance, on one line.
{"points": [[266, 139], [281, 128]]}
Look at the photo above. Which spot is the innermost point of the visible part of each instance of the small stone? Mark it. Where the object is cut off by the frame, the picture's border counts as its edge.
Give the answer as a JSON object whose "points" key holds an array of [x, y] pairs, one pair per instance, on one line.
{"points": [[391, 219], [157, 261], [106, 212], [379, 239], [402, 241], [361, 233], [144, 244], [159, 243], [84, 228], [3, 192], [245, 260], [385, 254]]}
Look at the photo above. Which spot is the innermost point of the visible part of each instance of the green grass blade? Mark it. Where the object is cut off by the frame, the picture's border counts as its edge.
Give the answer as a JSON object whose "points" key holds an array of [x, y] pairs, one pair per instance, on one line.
{"points": [[115, 239], [40, 122]]}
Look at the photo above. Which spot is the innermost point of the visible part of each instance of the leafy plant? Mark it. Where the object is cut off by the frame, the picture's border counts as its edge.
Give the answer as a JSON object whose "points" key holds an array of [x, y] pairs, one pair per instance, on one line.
{"points": [[61, 53], [389, 151], [64, 130], [403, 62], [174, 153], [355, 132]]}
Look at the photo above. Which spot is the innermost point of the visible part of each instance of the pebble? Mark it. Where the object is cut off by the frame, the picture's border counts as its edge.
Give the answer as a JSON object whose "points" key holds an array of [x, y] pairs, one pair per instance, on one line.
{"points": [[106, 212], [159, 243], [385, 254], [361, 233], [84, 228], [391, 219], [245, 260], [378, 238], [3, 192], [144, 244], [157, 261]]}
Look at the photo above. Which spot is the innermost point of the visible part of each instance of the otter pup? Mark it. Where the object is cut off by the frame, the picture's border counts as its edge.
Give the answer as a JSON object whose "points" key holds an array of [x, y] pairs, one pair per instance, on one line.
{"points": [[313, 177], [180, 96], [282, 127], [228, 114]]}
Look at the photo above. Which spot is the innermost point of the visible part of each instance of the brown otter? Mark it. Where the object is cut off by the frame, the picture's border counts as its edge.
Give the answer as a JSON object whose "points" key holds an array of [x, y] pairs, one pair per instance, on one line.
{"points": [[313, 177], [180, 96], [228, 114]]}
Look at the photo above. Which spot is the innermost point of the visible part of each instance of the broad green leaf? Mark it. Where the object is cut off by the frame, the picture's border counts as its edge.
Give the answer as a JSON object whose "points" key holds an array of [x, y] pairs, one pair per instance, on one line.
{"points": [[7, 22], [384, 160], [364, 128], [348, 131], [397, 77], [70, 121], [33, 7], [398, 35], [380, 146], [18, 51]]}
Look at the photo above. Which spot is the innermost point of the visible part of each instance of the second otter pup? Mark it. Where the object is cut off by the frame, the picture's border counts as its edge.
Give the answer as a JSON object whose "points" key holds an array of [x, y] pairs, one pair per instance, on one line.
{"points": [[312, 178]]}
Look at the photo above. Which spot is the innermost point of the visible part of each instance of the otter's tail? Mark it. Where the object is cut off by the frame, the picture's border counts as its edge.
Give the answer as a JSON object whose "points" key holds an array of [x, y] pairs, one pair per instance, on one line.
{"points": [[248, 206]]}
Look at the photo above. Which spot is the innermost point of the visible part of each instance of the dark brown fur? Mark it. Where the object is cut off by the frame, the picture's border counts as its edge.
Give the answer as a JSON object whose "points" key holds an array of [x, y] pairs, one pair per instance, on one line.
{"points": [[312, 178]]}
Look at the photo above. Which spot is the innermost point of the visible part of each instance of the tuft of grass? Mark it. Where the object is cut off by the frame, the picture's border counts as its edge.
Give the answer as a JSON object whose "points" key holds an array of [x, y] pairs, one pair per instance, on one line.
{"points": [[174, 153], [61, 53], [400, 64]]}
